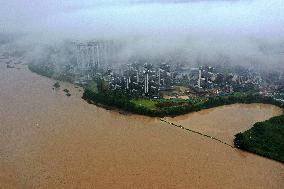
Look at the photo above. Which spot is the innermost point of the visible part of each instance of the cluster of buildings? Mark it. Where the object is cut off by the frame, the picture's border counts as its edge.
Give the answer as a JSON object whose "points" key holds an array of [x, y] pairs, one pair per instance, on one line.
{"points": [[178, 81], [162, 79]]}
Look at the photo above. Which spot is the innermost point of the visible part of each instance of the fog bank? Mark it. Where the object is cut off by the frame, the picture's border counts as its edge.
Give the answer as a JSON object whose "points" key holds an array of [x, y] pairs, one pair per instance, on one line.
{"points": [[244, 32]]}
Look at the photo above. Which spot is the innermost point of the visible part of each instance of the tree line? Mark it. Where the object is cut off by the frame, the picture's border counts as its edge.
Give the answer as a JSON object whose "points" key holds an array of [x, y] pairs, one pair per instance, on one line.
{"points": [[170, 107]]}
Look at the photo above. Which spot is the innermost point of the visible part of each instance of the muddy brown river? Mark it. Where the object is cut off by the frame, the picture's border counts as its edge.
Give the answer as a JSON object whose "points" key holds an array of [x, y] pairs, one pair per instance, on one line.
{"points": [[49, 140]]}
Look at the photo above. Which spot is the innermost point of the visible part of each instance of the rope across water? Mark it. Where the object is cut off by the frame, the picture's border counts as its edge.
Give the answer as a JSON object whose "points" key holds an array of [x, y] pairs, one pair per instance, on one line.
{"points": [[196, 132]]}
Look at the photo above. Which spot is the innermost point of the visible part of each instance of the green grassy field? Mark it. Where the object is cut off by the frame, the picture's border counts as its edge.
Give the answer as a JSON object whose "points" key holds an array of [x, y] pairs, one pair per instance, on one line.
{"points": [[147, 103], [161, 104]]}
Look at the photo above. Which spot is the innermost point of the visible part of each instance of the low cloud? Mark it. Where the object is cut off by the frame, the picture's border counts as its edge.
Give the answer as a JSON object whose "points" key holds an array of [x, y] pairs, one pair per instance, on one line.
{"points": [[247, 32]]}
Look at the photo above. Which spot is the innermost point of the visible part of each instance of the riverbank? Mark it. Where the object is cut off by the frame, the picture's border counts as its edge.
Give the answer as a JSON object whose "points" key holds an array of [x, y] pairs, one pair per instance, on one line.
{"points": [[152, 107], [126, 104], [272, 134], [53, 141], [162, 108]]}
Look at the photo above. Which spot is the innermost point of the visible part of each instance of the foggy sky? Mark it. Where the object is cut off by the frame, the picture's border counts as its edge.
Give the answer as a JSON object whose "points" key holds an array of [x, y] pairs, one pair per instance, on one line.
{"points": [[116, 17], [244, 30]]}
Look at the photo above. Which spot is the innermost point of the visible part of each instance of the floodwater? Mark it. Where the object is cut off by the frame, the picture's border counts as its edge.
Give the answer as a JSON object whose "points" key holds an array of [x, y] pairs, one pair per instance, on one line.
{"points": [[226, 121], [49, 140]]}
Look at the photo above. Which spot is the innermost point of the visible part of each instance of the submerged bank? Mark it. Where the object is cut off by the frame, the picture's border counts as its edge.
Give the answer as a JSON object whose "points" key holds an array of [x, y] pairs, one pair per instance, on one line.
{"points": [[265, 139], [51, 141], [161, 108]]}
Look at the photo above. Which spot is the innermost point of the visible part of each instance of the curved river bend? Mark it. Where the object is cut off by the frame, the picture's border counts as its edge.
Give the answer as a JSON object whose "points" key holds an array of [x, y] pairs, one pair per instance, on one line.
{"points": [[49, 140]]}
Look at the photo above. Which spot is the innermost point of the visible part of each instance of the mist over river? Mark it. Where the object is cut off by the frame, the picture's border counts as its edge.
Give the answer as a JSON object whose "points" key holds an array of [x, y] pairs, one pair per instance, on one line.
{"points": [[49, 140]]}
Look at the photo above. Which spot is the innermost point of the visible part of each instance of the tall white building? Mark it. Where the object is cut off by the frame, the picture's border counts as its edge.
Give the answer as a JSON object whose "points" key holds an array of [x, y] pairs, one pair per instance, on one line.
{"points": [[146, 85], [199, 79], [94, 55]]}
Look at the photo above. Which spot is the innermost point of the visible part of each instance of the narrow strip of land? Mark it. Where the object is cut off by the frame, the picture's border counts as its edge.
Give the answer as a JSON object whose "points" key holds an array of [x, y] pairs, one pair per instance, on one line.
{"points": [[196, 132]]}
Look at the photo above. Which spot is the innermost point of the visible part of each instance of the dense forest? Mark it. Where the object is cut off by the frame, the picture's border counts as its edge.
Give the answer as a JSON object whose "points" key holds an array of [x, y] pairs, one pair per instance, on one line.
{"points": [[264, 138]]}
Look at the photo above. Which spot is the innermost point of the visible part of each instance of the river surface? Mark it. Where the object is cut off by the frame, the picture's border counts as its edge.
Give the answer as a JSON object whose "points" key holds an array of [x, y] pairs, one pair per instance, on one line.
{"points": [[226, 121], [49, 140]]}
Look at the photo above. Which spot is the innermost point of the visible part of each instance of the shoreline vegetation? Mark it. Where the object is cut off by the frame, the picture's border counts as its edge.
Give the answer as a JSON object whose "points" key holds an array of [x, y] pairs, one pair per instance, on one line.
{"points": [[170, 107], [97, 92], [264, 138]]}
